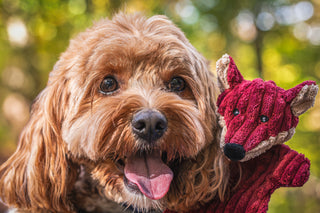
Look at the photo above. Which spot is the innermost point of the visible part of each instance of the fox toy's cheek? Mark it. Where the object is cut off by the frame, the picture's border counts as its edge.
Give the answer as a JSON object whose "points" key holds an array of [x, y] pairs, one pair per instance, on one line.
{"points": [[258, 135], [238, 132]]}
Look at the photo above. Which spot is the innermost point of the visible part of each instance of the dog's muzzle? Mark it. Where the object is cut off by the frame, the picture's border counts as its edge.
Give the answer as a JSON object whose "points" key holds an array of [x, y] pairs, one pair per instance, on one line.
{"points": [[149, 125]]}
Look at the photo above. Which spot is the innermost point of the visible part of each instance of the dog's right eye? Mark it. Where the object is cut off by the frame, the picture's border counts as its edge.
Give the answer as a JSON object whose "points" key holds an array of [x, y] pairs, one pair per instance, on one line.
{"points": [[177, 84], [108, 85]]}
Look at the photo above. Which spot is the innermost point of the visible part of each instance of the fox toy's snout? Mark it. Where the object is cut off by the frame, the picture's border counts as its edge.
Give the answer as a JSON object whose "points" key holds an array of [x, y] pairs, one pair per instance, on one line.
{"points": [[256, 115], [234, 152]]}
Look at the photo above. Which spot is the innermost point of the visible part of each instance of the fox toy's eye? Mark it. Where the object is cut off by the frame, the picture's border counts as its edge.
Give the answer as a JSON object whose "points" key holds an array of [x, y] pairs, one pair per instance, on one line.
{"points": [[108, 85], [235, 112], [263, 118]]}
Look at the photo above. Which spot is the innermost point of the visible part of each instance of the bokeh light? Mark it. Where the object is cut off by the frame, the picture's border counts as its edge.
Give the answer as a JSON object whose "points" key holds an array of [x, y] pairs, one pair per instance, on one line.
{"points": [[291, 14], [314, 34], [245, 26], [16, 110], [187, 11], [265, 21], [17, 32]]}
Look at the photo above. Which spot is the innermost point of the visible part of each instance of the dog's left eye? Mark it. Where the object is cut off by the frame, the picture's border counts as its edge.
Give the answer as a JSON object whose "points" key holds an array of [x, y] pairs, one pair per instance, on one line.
{"points": [[108, 85], [177, 84]]}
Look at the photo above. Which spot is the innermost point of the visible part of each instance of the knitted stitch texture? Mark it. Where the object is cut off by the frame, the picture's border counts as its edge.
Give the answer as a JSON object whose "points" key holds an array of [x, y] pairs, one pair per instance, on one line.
{"points": [[255, 115], [278, 167]]}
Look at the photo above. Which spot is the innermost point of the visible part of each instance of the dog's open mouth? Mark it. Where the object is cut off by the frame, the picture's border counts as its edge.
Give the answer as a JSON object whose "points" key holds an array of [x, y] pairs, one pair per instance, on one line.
{"points": [[148, 173]]}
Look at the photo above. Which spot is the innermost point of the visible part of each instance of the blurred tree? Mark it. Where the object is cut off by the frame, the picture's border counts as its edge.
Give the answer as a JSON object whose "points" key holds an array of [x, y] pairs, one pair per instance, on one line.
{"points": [[274, 39]]}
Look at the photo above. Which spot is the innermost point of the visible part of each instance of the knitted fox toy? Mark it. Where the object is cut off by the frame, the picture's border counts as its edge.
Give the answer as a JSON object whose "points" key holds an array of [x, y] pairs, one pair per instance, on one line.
{"points": [[256, 115], [256, 118]]}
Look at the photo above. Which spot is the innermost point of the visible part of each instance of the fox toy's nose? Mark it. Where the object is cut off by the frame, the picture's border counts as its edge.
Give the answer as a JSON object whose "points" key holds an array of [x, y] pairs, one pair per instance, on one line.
{"points": [[234, 152], [149, 125]]}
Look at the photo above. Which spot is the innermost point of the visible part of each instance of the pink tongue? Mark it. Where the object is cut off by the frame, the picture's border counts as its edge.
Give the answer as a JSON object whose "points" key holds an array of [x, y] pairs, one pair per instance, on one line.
{"points": [[150, 174]]}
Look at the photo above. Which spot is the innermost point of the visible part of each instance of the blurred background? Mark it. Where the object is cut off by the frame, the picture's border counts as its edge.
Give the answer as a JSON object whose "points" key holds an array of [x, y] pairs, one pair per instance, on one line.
{"points": [[273, 39]]}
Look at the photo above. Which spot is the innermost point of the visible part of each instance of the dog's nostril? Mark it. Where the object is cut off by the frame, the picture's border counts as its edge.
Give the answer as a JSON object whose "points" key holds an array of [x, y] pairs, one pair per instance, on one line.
{"points": [[149, 125], [161, 125], [234, 152], [140, 125]]}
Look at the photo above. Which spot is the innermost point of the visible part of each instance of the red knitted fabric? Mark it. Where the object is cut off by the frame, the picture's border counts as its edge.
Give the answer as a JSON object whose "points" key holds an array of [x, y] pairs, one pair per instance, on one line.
{"points": [[254, 100], [278, 167], [254, 113]]}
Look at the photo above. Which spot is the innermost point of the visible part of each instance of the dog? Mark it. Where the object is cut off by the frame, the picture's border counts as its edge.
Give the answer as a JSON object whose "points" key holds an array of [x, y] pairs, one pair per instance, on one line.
{"points": [[127, 121]]}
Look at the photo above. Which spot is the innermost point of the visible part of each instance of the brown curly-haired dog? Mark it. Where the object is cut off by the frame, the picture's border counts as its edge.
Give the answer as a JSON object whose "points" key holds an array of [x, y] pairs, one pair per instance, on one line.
{"points": [[127, 117]]}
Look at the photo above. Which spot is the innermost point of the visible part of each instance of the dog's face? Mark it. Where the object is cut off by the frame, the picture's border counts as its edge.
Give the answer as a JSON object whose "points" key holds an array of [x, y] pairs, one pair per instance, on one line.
{"points": [[257, 115], [137, 99]]}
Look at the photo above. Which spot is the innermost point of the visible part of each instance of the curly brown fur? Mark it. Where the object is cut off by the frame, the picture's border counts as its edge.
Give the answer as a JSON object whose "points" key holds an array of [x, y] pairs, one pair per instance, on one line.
{"points": [[75, 129]]}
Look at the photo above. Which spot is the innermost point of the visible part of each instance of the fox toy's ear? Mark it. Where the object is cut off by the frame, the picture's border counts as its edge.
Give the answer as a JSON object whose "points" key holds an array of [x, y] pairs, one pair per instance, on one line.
{"points": [[228, 74], [302, 97]]}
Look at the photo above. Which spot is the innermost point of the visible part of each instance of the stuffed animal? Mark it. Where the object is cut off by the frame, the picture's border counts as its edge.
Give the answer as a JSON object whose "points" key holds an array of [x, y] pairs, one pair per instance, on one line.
{"points": [[256, 115], [280, 166]]}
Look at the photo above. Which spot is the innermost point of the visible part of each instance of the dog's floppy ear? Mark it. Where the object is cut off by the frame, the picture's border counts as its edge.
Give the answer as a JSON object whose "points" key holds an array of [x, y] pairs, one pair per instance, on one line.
{"points": [[228, 74], [302, 97], [38, 174]]}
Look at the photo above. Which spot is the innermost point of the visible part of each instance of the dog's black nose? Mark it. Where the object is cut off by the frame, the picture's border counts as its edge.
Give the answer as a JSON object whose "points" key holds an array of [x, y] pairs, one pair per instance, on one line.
{"points": [[234, 152], [149, 125]]}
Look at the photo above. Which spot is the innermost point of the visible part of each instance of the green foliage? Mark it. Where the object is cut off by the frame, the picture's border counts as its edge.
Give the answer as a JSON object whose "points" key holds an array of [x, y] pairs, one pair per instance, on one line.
{"points": [[263, 38]]}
